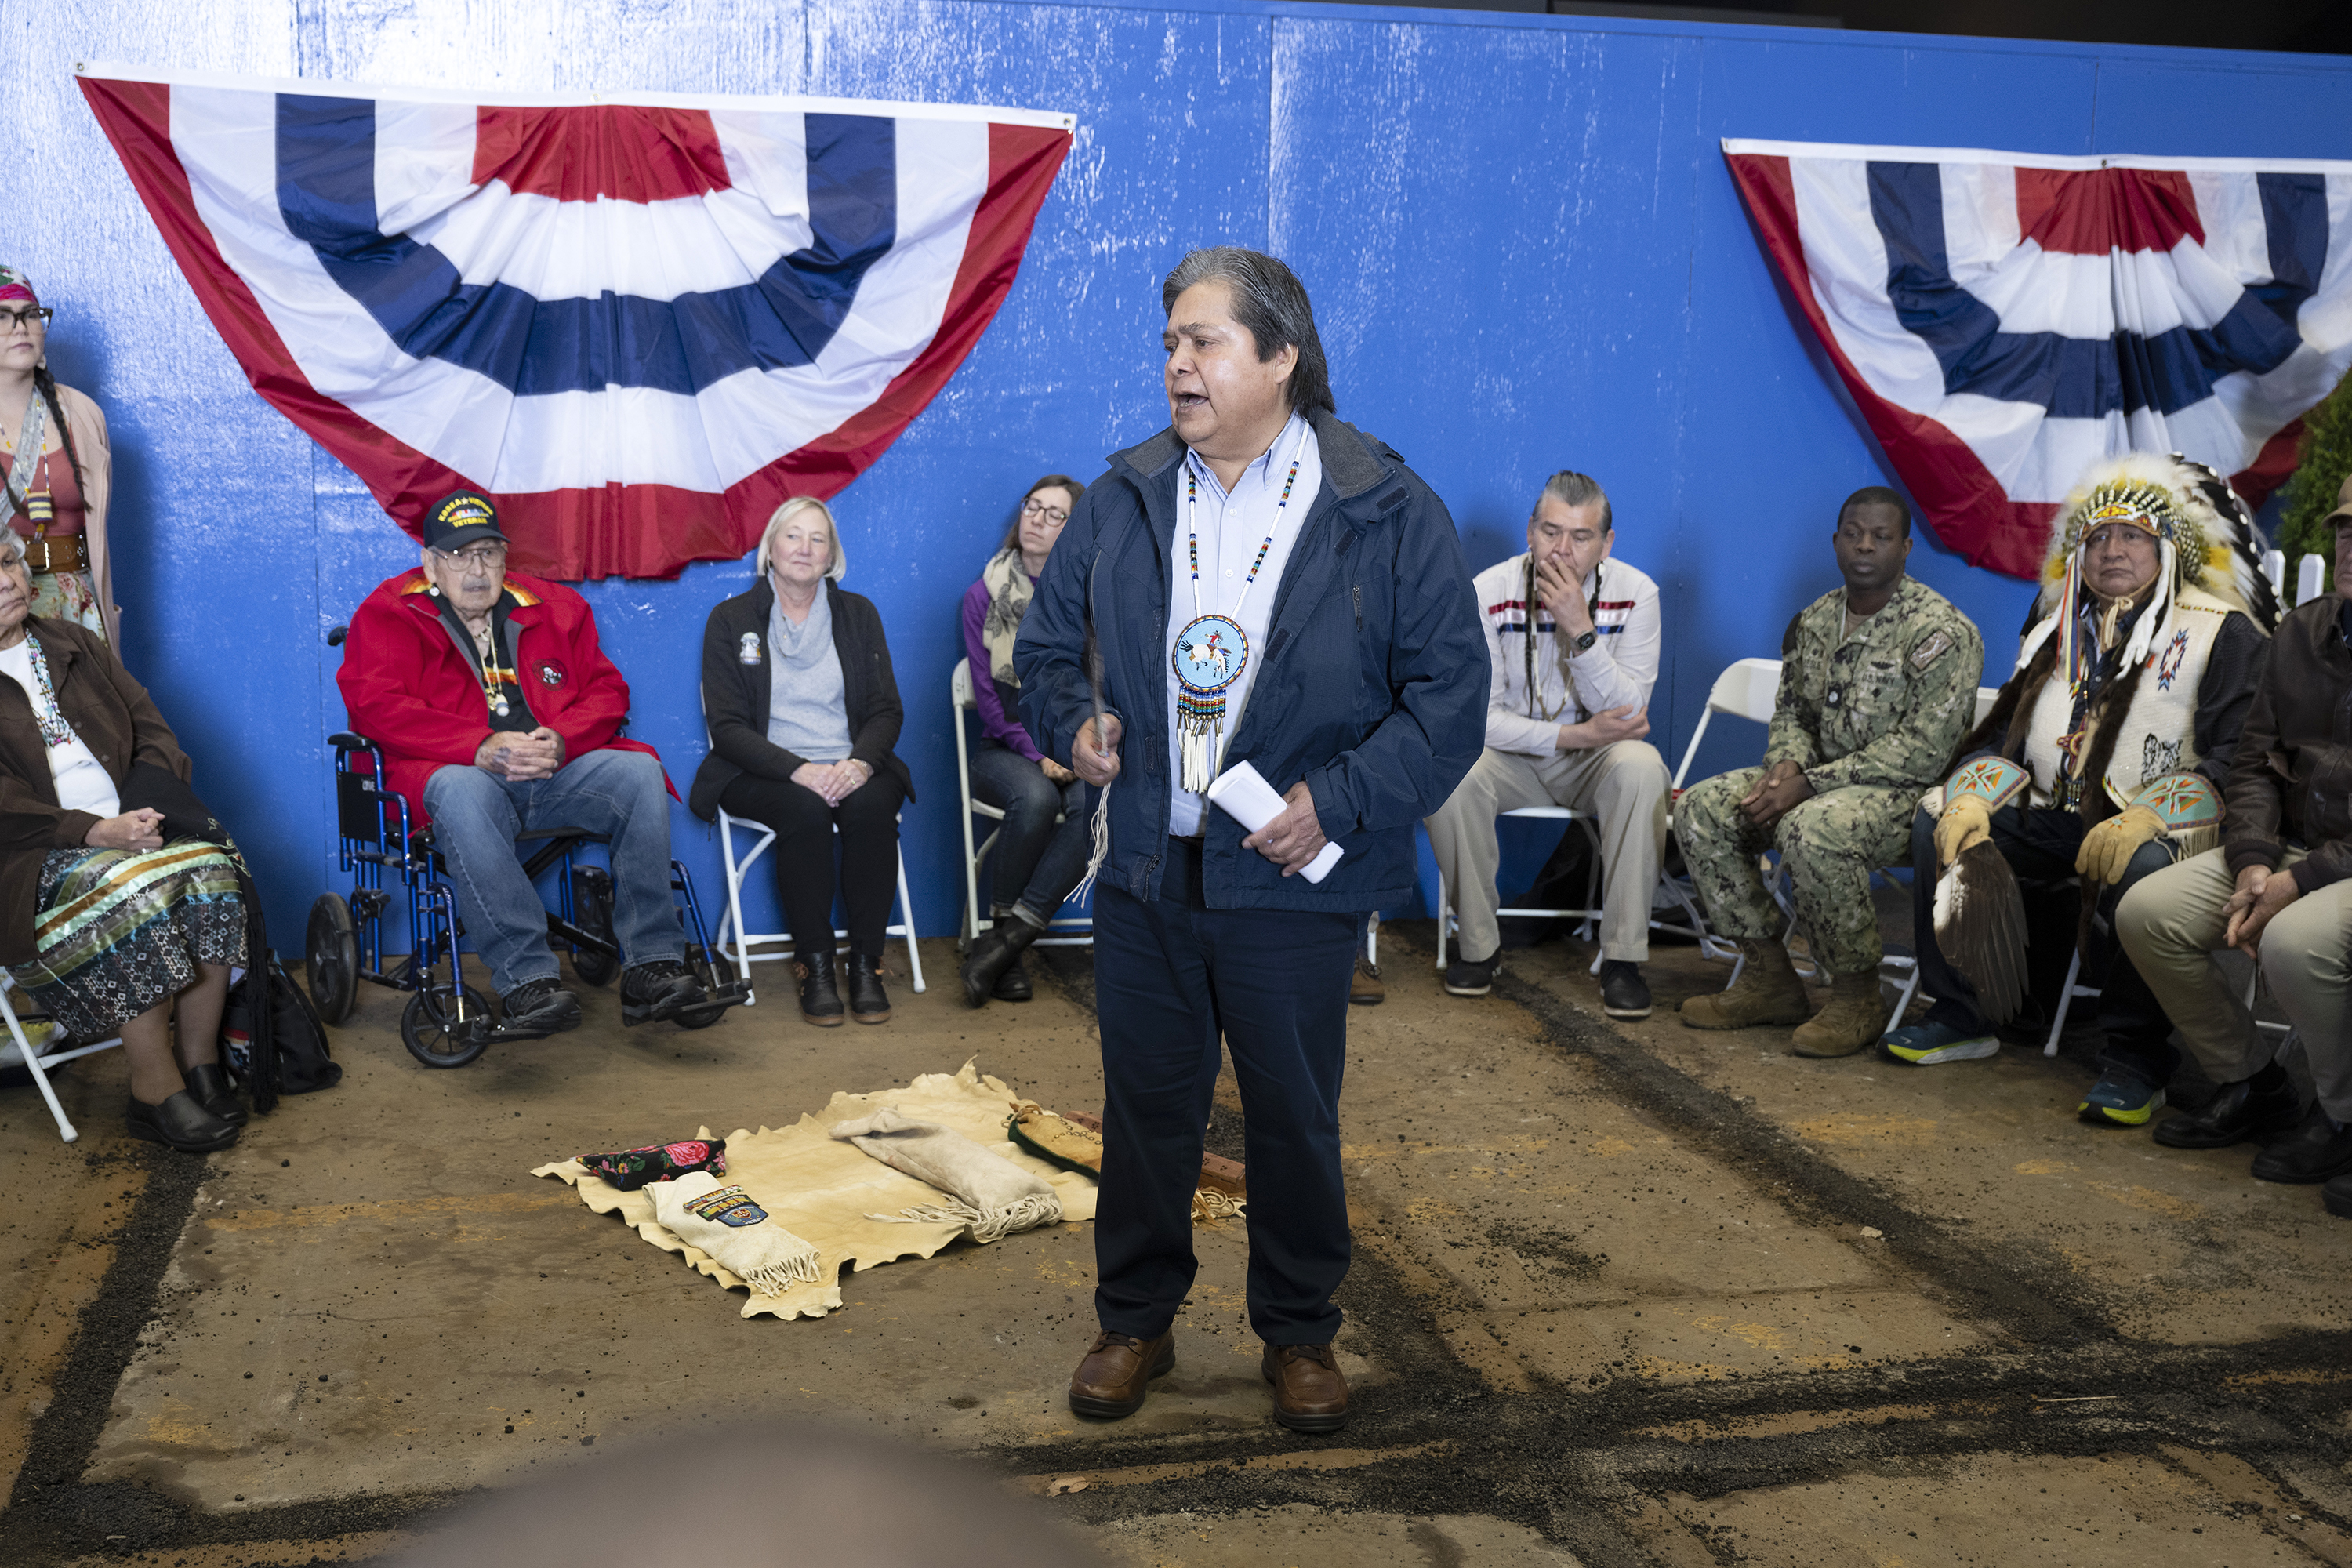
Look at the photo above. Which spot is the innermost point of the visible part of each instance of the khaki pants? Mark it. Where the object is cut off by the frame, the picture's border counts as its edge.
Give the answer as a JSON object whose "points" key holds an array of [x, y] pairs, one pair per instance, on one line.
{"points": [[2171, 924], [1623, 785]]}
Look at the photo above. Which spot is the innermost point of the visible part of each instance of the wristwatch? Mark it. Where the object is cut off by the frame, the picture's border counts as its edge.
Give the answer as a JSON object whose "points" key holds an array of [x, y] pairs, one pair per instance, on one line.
{"points": [[1583, 644]]}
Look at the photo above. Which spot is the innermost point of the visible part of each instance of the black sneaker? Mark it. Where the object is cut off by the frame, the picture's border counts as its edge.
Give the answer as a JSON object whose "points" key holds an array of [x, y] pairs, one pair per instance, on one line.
{"points": [[662, 989], [1623, 993], [1464, 978], [536, 1009]]}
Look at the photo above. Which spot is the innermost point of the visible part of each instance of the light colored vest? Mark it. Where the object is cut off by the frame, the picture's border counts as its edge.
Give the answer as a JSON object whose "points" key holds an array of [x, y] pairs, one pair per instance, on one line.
{"points": [[2159, 734]]}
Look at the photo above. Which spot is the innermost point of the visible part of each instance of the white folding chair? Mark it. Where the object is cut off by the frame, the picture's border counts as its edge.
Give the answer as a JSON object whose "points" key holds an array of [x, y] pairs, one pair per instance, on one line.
{"points": [[738, 951], [1589, 914], [1747, 688], [19, 1050], [1062, 931]]}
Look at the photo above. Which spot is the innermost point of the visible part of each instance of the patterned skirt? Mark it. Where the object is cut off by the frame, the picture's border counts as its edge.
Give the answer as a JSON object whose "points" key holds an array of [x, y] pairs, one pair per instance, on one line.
{"points": [[68, 597], [121, 931]]}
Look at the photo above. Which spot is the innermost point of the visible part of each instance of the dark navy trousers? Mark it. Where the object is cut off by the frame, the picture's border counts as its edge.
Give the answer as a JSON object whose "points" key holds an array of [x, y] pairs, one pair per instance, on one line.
{"points": [[1171, 977]]}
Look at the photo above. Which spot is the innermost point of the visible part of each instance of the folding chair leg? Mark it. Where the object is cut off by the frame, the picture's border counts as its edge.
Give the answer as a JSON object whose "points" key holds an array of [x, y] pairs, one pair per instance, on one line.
{"points": [[907, 913], [66, 1129], [2065, 1004], [734, 906], [1903, 1001], [1444, 917]]}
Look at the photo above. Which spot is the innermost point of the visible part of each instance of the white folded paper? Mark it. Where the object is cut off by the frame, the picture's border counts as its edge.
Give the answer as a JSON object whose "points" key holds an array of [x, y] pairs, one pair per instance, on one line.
{"points": [[1242, 793]]}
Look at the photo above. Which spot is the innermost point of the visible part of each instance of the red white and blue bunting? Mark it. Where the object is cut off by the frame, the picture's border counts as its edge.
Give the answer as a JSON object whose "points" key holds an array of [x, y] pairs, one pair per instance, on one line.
{"points": [[2004, 319], [640, 322]]}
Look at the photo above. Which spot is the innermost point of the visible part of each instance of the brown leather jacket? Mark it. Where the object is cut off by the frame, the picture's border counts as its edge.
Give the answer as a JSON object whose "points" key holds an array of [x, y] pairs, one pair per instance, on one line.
{"points": [[2292, 775], [115, 718]]}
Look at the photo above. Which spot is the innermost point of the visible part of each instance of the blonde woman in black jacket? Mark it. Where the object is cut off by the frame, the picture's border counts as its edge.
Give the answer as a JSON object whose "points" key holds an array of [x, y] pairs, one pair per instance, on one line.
{"points": [[804, 713]]}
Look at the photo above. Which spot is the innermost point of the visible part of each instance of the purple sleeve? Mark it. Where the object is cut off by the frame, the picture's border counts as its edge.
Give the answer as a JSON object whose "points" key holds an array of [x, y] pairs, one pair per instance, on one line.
{"points": [[994, 723]]}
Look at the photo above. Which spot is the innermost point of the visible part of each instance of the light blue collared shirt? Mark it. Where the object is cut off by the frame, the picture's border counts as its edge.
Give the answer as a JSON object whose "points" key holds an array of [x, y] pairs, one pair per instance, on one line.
{"points": [[1231, 526]]}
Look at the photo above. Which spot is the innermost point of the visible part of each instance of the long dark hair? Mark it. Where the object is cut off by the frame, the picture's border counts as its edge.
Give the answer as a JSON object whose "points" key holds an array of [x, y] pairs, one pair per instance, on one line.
{"points": [[46, 385], [1051, 482]]}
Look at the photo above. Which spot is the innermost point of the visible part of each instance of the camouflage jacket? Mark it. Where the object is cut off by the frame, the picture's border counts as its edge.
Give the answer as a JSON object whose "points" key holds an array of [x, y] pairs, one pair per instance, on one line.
{"points": [[1887, 706]]}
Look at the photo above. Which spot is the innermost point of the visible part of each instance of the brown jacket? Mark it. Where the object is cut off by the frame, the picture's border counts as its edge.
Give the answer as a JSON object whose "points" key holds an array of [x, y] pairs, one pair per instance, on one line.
{"points": [[2292, 778], [115, 718]]}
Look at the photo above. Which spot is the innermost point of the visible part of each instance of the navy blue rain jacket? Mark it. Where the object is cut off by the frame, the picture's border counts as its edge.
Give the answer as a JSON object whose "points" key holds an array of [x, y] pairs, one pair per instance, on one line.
{"points": [[1373, 689]]}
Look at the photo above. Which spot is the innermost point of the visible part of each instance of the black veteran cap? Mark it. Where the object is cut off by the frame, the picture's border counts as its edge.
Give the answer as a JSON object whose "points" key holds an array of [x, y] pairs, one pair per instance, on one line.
{"points": [[458, 519]]}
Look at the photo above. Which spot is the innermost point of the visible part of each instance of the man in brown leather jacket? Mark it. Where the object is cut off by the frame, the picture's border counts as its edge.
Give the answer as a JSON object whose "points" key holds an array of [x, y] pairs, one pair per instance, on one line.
{"points": [[2280, 888]]}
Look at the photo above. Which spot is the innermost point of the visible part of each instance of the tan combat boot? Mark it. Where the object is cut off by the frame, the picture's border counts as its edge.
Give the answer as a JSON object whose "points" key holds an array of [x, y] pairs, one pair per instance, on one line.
{"points": [[1855, 1017], [1767, 991]]}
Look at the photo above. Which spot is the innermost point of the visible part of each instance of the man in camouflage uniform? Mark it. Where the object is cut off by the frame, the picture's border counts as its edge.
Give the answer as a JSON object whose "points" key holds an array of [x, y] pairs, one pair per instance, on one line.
{"points": [[1878, 681]]}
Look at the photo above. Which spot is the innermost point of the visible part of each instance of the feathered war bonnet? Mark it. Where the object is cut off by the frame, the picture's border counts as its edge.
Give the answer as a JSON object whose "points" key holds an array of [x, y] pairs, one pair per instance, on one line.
{"points": [[2205, 537]]}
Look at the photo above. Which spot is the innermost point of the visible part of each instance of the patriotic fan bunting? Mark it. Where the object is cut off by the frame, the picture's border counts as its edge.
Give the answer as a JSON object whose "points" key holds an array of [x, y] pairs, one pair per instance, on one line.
{"points": [[2004, 319], [639, 325]]}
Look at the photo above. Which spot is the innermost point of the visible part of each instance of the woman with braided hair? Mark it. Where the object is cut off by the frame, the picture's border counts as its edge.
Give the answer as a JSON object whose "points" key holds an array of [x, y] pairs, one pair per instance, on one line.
{"points": [[56, 468]]}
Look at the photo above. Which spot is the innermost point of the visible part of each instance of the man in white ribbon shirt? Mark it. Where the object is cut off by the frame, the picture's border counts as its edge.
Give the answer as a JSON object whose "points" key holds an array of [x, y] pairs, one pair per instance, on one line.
{"points": [[1574, 635], [1257, 536]]}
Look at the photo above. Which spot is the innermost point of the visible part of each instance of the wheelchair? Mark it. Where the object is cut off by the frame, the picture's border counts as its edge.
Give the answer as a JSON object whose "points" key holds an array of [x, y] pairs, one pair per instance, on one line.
{"points": [[447, 1023]]}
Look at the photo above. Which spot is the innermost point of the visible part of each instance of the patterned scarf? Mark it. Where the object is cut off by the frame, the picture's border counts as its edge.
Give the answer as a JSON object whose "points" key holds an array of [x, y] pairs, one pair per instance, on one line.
{"points": [[1009, 592]]}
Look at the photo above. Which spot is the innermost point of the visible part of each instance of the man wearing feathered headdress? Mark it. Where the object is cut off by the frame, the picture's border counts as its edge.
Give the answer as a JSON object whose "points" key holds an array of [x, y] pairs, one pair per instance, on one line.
{"points": [[2102, 762]]}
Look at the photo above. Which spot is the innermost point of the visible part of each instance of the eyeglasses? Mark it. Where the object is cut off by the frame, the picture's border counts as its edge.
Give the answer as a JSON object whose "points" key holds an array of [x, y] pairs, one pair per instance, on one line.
{"points": [[25, 317], [1033, 507], [481, 556]]}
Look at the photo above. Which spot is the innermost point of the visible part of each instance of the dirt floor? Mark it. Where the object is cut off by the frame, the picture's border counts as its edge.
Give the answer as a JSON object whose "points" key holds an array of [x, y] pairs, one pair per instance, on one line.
{"points": [[1624, 1294]]}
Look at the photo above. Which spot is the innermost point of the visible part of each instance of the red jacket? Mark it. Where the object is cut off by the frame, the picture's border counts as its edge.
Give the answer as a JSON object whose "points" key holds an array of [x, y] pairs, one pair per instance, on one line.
{"points": [[408, 688]]}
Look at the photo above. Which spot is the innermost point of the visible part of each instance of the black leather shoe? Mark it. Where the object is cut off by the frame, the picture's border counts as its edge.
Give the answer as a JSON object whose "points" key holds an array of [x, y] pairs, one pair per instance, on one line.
{"points": [[2337, 1196], [1624, 993], [1013, 986], [2318, 1151], [819, 1001], [181, 1122], [868, 1003], [536, 1009], [993, 953], [2239, 1112], [661, 989], [209, 1085]]}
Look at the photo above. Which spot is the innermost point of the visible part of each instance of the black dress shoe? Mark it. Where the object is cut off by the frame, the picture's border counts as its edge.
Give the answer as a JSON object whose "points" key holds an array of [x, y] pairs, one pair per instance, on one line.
{"points": [[209, 1084], [2337, 1196], [868, 1003], [820, 1000], [1624, 993], [1013, 986], [181, 1122], [2317, 1151], [2239, 1112]]}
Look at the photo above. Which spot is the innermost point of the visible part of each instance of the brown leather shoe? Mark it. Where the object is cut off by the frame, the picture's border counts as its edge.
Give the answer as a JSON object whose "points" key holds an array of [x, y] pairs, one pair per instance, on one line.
{"points": [[1110, 1379], [1309, 1394]]}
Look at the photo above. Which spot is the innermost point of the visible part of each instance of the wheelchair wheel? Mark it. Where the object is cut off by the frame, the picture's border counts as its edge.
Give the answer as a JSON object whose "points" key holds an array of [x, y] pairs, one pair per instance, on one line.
{"points": [[331, 949], [429, 1027], [591, 911]]}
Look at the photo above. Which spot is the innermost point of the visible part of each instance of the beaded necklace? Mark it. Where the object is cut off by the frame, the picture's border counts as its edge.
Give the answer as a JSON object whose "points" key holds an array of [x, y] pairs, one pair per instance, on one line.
{"points": [[1212, 650]]}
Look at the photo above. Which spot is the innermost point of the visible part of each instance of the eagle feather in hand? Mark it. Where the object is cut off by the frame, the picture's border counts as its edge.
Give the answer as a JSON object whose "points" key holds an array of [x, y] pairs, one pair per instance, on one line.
{"points": [[1980, 926]]}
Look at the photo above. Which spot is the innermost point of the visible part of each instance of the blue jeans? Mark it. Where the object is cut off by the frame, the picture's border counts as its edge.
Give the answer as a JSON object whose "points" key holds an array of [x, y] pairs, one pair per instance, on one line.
{"points": [[1036, 860], [476, 818]]}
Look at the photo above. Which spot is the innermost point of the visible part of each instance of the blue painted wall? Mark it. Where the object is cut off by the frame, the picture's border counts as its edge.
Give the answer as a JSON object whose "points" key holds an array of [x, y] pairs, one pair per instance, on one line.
{"points": [[1523, 246]]}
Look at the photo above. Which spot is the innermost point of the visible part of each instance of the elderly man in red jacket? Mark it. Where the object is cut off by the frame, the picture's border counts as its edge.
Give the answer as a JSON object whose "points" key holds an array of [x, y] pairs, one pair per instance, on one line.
{"points": [[498, 714]]}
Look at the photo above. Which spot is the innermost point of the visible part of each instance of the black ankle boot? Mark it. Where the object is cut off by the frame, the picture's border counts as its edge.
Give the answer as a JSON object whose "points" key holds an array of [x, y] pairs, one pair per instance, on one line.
{"points": [[1013, 986], [868, 1003], [993, 953], [209, 1085], [820, 1003]]}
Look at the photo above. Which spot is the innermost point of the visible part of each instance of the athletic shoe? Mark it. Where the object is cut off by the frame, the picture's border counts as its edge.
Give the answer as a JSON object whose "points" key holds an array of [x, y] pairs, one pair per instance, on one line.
{"points": [[1464, 978], [2120, 1099], [536, 1009], [1623, 993], [661, 989], [1932, 1044]]}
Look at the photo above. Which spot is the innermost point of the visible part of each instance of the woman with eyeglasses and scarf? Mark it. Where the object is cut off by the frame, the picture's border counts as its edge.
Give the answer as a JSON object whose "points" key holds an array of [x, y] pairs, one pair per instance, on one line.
{"points": [[1036, 861], [55, 462]]}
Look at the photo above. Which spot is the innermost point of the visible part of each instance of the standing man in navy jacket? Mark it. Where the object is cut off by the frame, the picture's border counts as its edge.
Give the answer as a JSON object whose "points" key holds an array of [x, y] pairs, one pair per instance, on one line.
{"points": [[1270, 584]]}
